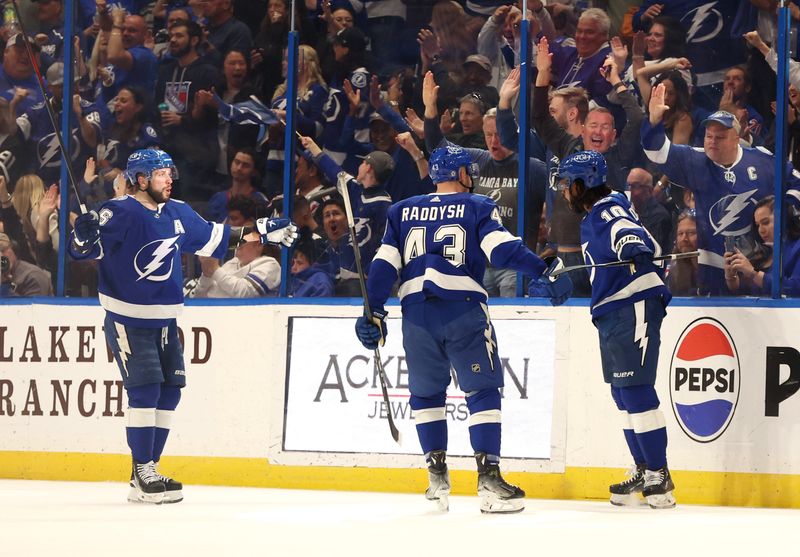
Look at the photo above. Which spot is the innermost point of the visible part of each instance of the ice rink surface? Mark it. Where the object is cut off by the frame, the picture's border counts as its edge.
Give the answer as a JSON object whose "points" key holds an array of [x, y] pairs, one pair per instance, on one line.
{"points": [[93, 519]]}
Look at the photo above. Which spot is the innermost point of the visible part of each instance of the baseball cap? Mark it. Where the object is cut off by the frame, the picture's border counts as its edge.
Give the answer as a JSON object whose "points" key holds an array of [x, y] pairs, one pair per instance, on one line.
{"points": [[352, 38], [479, 59], [725, 118], [55, 73], [19, 40], [382, 164]]}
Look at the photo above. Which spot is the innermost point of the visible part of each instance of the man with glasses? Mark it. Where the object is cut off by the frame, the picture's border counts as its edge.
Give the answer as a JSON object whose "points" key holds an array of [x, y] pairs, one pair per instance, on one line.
{"points": [[654, 216]]}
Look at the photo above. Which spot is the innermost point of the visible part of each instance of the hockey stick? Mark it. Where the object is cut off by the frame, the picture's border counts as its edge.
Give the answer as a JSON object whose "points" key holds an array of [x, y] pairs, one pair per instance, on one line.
{"points": [[367, 310], [669, 257], [70, 172]]}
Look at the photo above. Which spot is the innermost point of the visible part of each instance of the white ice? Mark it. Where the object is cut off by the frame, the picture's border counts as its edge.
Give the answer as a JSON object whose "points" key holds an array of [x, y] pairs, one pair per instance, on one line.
{"points": [[94, 519]]}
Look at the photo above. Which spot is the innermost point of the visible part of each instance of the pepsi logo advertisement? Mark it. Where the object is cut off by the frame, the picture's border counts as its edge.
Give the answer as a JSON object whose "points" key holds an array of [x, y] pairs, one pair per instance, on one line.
{"points": [[705, 380]]}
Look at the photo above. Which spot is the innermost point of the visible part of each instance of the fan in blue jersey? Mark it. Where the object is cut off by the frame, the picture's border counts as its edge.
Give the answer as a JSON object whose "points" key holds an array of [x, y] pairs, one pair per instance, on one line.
{"points": [[628, 305], [438, 245], [726, 179], [139, 239]]}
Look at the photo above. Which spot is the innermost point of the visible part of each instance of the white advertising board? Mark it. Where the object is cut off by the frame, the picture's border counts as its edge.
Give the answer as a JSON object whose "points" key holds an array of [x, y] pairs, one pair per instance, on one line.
{"points": [[334, 401], [727, 381]]}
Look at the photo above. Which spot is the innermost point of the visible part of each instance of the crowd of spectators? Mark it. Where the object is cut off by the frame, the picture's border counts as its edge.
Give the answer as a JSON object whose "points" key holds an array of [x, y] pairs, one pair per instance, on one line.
{"points": [[679, 96]]}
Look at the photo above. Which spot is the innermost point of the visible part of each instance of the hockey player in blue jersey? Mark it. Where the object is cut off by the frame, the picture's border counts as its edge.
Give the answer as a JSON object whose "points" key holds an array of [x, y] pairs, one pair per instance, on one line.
{"points": [[138, 240], [726, 179], [628, 304], [438, 244]]}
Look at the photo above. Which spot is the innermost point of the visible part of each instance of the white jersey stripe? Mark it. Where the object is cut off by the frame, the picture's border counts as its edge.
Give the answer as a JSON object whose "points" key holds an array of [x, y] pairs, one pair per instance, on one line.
{"points": [[644, 282], [390, 254], [494, 239], [217, 233], [141, 311], [442, 280], [659, 156]]}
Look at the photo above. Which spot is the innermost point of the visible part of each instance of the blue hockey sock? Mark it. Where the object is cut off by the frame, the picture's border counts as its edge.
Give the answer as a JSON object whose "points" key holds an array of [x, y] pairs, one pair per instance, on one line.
{"points": [[484, 422], [170, 396], [654, 446], [431, 422], [651, 433], [141, 427], [633, 446]]}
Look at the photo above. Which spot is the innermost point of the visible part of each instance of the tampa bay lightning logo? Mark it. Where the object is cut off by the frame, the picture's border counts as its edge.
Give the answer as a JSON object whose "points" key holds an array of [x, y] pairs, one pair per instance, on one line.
{"points": [[48, 150], [732, 215], [703, 23], [155, 260], [333, 106]]}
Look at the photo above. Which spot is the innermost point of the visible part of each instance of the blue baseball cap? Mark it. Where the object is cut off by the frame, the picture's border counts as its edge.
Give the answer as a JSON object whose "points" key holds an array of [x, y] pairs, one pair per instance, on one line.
{"points": [[725, 118]]}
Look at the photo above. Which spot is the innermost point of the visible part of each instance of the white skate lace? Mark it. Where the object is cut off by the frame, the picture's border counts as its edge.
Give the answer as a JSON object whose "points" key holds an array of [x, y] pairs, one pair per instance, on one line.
{"points": [[147, 472], [632, 474], [653, 477]]}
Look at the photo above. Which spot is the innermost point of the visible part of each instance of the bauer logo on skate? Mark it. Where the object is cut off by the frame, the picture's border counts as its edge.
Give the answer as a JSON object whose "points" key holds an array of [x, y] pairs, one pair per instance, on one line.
{"points": [[704, 380]]}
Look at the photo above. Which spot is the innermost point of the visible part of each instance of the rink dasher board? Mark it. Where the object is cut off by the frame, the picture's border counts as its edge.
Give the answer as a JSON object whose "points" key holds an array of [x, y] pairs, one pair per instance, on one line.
{"points": [[231, 427]]}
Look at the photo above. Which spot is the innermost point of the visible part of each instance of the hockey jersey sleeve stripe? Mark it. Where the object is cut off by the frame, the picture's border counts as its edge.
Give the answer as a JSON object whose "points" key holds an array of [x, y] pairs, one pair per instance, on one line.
{"points": [[140, 311], [494, 239], [428, 415], [642, 283], [376, 199], [217, 233], [442, 280], [618, 226], [390, 254], [258, 284], [659, 156], [624, 241]]}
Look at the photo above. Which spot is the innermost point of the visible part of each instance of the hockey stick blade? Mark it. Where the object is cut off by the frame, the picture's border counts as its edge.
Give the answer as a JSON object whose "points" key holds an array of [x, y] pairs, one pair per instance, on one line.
{"points": [[669, 257]]}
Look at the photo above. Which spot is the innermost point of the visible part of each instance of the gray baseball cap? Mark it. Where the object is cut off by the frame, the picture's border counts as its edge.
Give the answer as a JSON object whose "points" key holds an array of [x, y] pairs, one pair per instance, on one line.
{"points": [[382, 164]]}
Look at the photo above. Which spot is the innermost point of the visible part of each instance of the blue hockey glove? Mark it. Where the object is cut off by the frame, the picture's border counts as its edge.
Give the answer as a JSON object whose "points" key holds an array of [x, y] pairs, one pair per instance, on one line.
{"points": [[277, 231], [87, 229], [558, 289], [371, 331], [637, 252]]}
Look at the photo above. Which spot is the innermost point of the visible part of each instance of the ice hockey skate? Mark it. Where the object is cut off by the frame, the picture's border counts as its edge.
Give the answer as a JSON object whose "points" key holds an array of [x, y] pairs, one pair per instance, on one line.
{"points": [[496, 495], [626, 493], [174, 488], [146, 486], [438, 481], [658, 489]]}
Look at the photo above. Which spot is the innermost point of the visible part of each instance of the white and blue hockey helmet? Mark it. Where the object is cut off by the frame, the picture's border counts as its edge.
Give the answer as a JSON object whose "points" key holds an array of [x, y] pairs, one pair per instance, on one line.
{"points": [[145, 161], [587, 166], [445, 162]]}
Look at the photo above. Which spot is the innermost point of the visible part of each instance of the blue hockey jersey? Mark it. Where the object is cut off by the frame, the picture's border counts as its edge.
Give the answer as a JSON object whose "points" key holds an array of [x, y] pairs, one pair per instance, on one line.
{"points": [[439, 243], [725, 198], [370, 206], [611, 224], [140, 276]]}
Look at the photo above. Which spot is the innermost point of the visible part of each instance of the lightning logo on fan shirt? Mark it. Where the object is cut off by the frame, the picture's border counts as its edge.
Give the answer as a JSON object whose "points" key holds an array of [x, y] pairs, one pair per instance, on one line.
{"points": [[640, 332], [156, 259], [703, 15], [732, 210]]}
